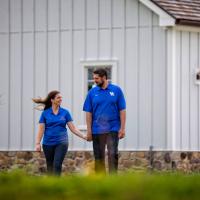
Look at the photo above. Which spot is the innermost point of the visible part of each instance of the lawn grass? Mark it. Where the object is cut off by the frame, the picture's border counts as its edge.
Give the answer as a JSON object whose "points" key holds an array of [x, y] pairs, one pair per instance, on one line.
{"points": [[128, 186]]}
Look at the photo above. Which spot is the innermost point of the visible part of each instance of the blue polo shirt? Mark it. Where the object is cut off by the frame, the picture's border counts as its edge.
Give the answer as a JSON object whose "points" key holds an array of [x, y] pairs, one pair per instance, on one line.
{"points": [[105, 106], [55, 126]]}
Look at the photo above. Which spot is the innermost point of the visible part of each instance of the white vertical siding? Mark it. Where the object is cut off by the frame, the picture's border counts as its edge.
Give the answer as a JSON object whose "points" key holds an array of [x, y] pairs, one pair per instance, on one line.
{"points": [[28, 21], [104, 44], [178, 78], [53, 14], [92, 13], [185, 90], [159, 89], [4, 16], [78, 14], [105, 12], [4, 91], [78, 88], [187, 50], [66, 69], [118, 52], [66, 14], [42, 45], [15, 122], [198, 92], [194, 114], [131, 83], [53, 64], [145, 88], [131, 13], [40, 15], [15, 15], [27, 92]]}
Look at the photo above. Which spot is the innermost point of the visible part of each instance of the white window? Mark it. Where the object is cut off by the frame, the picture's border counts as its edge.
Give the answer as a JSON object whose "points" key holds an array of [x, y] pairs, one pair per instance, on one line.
{"points": [[90, 66], [90, 81]]}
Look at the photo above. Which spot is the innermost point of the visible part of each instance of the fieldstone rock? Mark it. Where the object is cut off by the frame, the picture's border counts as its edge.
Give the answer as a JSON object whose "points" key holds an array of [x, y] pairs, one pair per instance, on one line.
{"points": [[41, 161], [128, 163], [196, 155], [183, 166], [88, 155], [158, 155], [42, 169], [195, 167], [167, 158], [189, 155], [125, 155], [7, 161], [183, 156], [2, 156], [79, 154], [120, 161], [24, 155], [173, 165], [132, 155], [175, 155], [20, 161], [79, 161], [71, 155], [70, 162], [167, 166], [157, 165], [11, 153], [140, 154]]}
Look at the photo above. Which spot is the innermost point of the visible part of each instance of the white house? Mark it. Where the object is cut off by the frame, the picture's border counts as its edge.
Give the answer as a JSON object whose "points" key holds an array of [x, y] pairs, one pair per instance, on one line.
{"points": [[150, 47]]}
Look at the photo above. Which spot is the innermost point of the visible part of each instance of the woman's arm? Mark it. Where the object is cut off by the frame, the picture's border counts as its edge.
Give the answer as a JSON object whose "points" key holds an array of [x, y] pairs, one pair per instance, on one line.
{"points": [[74, 130], [39, 136]]}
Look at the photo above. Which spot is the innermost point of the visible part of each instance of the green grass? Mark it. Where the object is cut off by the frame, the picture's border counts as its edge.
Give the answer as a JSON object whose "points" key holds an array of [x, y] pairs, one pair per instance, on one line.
{"points": [[129, 186]]}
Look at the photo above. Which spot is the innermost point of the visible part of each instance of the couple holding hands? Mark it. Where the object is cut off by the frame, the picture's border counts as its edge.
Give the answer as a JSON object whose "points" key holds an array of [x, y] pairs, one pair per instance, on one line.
{"points": [[105, 109]]}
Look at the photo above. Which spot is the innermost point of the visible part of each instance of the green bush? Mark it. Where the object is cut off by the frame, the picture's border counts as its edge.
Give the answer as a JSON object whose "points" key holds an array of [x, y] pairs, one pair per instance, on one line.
{"points": [[130, 186]]}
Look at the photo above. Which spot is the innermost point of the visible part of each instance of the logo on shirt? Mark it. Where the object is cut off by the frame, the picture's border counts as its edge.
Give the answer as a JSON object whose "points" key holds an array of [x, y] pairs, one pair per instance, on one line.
{"points": [[112, 94], [62, 118]]}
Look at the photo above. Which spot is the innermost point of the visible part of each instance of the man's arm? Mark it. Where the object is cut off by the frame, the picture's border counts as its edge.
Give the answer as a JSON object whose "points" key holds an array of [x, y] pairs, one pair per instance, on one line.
{"points": [[121, 133], [89, 126]]}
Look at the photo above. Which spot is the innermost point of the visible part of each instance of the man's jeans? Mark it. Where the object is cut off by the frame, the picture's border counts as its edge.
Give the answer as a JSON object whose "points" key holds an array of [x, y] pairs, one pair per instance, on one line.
{"points": [[55, 155], [99, 143]]}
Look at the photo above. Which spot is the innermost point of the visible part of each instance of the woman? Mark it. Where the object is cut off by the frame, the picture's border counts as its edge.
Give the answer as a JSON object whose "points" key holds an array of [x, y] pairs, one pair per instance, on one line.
{"points": [[52, 128]]}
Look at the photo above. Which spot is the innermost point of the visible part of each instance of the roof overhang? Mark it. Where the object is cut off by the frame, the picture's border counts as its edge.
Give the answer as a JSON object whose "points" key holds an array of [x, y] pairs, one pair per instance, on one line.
{"points": [[188, 22], [164, 18]]}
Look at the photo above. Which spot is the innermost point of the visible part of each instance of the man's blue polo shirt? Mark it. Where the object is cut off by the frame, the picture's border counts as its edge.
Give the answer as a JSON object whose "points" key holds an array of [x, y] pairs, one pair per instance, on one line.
{"points": [[105, 106], [55, 126]]}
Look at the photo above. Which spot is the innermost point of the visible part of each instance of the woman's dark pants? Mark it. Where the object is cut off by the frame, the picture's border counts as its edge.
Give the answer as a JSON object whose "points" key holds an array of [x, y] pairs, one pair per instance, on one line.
{"points": [[55, 155], [110, 140]]}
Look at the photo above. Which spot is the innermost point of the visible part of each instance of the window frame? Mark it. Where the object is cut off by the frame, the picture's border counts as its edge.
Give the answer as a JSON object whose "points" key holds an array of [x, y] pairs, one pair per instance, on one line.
{"points": [[85, 65], [102, 63]]}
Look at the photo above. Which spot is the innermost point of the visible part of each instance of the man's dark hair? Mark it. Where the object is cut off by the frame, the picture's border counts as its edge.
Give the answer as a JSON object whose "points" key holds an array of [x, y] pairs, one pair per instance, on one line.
{"points": [[101, 72]]}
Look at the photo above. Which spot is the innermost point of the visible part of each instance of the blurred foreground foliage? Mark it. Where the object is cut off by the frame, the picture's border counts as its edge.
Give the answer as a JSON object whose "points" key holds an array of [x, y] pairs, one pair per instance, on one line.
{"points": [[129, 186]]}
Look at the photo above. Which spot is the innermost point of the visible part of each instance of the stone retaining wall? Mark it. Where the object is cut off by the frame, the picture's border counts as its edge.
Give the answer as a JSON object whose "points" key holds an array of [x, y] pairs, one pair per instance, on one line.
{"points": [[83, 162]]}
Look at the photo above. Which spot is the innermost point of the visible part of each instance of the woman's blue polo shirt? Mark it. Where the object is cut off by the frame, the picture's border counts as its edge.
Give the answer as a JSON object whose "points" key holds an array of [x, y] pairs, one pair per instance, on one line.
{"points": [[105, 106], [55, 126]]}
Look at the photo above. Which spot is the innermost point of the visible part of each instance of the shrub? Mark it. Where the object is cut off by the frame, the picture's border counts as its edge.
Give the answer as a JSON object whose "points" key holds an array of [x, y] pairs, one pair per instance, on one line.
{"points": [[129, 186]]}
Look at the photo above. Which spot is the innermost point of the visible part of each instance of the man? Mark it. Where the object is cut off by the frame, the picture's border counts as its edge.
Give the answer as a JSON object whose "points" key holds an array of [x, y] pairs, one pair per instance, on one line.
{"points": [[105, 116]]}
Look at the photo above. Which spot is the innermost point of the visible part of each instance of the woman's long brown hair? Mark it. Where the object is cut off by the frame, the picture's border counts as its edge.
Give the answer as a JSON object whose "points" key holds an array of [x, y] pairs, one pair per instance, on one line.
{"points": [[46, 102]]}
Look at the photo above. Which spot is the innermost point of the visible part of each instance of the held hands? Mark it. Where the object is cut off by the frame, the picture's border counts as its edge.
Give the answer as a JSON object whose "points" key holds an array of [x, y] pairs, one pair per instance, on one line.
{"points": [[121, 133], [89, 136], [85, 137], [38, 147]]}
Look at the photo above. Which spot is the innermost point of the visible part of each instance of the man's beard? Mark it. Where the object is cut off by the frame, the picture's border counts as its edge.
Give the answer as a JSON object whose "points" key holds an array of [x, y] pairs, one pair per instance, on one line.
{"points": [[100, 84]]}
